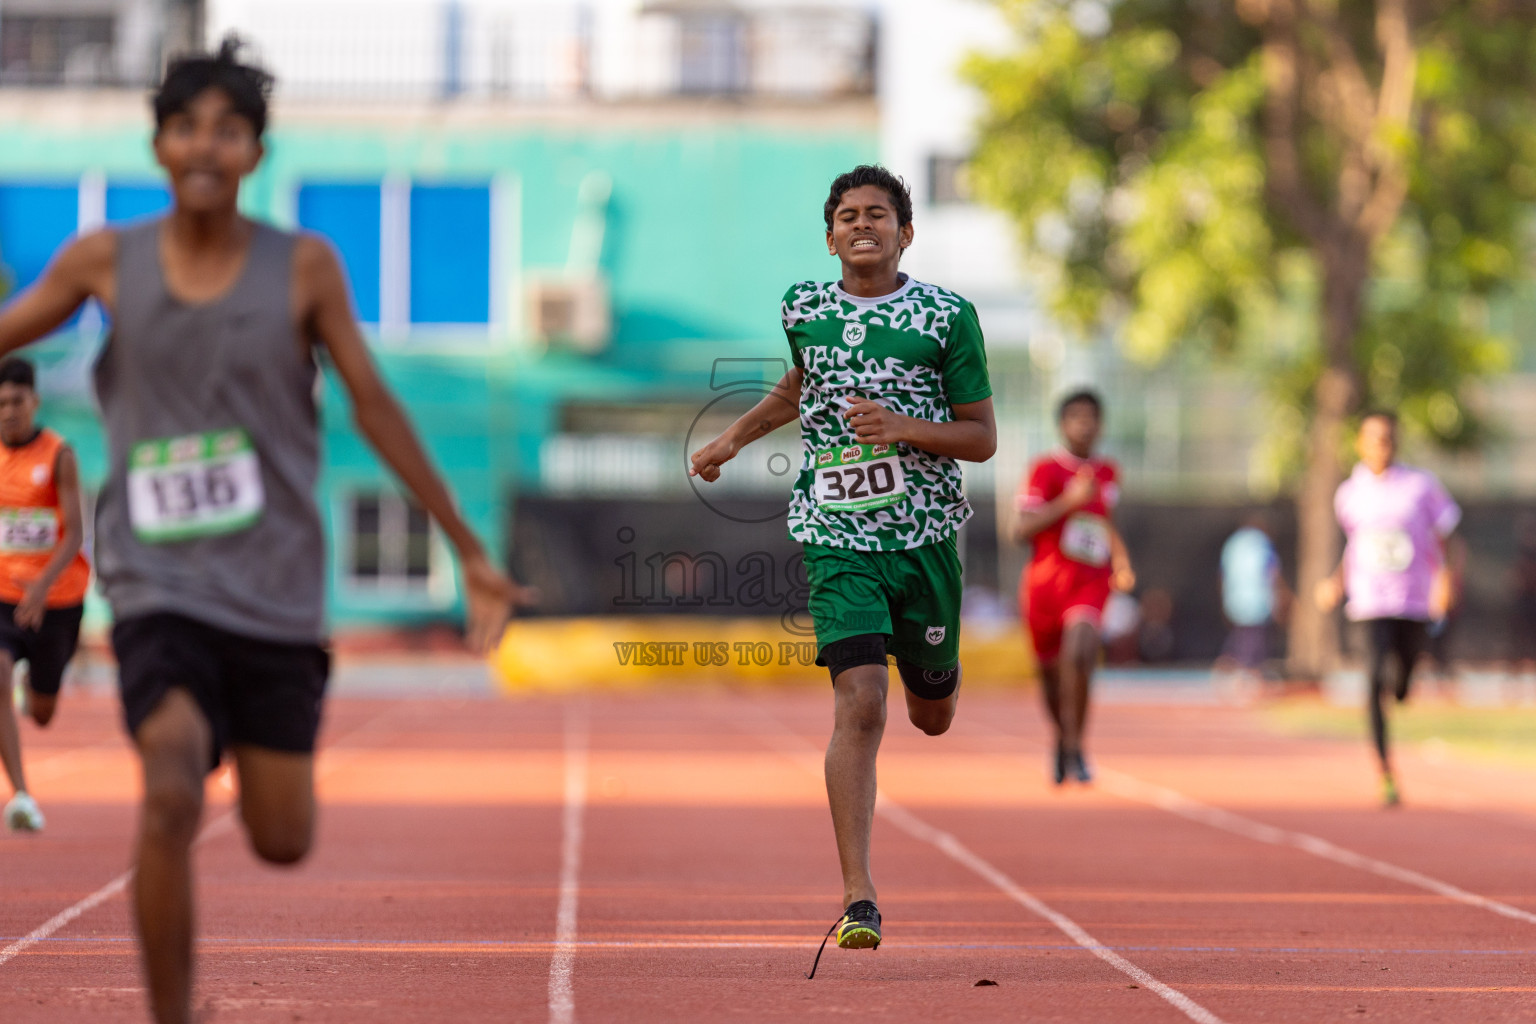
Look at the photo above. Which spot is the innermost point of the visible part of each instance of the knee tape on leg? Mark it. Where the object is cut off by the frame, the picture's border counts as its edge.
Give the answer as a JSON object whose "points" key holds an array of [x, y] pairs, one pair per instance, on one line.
{"points": [[929, 683], [852, 651]]}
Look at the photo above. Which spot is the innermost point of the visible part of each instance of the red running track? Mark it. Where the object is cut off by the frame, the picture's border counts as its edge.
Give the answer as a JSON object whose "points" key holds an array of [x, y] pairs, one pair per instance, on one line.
{"points": [[668, 857]]}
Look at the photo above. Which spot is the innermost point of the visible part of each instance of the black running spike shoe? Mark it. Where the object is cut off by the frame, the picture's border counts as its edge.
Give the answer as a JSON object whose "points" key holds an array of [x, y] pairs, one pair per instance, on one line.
{"points": [[858, 928], [1078, 766]]}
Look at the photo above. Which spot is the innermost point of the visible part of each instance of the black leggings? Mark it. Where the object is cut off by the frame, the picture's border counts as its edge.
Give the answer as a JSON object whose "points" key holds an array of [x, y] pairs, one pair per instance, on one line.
{"points": [[1389, 640]]}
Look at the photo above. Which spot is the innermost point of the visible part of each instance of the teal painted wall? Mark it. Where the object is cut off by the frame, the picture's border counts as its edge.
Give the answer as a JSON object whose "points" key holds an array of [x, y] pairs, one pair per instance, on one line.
{"points": [[707, 224]]}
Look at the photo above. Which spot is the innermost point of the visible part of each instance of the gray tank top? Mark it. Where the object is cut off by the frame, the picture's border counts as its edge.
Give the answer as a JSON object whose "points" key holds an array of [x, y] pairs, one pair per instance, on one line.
{"points": [[209, 506]]}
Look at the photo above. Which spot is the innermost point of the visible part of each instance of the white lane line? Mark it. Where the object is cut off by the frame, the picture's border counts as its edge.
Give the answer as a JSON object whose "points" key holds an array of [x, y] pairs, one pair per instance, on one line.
{"points": [[1132, 788], [958, 851], [218, 826], [796, 749], [562, 997], [63, 917]]}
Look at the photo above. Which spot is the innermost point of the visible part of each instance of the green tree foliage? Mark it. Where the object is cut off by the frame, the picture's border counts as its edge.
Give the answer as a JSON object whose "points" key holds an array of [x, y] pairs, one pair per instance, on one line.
{"points": [[1127, 141], [1192, 172]]}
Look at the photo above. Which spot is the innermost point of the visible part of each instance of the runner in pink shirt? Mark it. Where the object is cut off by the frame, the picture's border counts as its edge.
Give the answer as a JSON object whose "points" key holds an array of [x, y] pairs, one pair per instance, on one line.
{"points": [[1396, 520]]}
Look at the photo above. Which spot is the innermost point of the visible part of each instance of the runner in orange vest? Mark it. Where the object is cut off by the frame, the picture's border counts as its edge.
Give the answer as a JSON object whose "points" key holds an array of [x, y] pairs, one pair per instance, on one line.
{"points": [[43, 575]]}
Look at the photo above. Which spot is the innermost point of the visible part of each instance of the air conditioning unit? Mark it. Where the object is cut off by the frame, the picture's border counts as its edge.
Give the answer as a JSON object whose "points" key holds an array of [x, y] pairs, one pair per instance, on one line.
{"points": [[569, 313]]}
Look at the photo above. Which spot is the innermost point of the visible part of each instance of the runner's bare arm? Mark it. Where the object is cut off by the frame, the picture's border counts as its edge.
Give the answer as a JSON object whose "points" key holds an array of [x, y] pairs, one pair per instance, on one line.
{"points": [[778, 407], [328, 320], [82, 269], [66, 479], [1124, 578], [1078, 492], [971, 436], [1453, 560]]}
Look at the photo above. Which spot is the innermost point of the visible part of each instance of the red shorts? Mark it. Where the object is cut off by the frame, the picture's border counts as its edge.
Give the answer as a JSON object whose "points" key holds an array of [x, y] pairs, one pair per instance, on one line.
{"points": [[1049, 603]]}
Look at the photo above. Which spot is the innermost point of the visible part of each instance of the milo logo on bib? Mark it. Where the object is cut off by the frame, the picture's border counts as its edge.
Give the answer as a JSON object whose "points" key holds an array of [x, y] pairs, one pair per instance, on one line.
{"points": [[859, 477], [199, 485]]}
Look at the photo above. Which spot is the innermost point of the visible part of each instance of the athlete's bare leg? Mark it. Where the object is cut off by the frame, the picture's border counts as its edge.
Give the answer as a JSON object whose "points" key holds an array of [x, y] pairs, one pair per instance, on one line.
{"points": [[1079, 656], [174, 743], [858, 726], [42, 706], [277, 802], [1050, 688], [10, 739], [933, 716]]}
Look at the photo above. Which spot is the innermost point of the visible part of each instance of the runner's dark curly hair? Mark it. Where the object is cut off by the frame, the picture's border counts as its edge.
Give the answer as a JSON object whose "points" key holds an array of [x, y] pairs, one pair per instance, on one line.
{"points": [[14, 370], [870, 174], [1086, 396], [247, 86]]}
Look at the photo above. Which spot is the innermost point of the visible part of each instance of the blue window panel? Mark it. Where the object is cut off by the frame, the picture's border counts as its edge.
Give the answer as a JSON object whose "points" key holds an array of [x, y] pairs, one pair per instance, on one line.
{"points": [[348, 214], [450, 254], [131, 202], [34, 221]]}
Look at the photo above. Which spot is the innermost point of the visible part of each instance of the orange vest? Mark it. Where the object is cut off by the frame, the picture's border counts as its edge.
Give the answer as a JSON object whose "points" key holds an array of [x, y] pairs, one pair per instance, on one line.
{"points": [[30, 523]]}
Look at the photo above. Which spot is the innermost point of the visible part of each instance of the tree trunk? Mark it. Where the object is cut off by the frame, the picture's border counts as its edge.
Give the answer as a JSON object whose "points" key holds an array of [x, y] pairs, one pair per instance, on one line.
{"points": [[1314, 638]]}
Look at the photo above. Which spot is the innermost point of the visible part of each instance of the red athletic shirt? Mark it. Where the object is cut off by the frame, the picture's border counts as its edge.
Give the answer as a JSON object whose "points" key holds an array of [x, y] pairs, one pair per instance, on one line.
{"points": [[1077, 543]]}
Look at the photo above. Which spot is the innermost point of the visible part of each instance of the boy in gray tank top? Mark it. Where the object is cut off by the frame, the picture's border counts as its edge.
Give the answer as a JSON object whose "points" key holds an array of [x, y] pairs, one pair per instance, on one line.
{"points": [[209, 544]]}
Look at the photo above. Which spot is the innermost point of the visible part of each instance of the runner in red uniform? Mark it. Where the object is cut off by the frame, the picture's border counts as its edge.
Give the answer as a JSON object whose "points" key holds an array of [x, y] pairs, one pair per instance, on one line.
{"points": [[1065, 508]]}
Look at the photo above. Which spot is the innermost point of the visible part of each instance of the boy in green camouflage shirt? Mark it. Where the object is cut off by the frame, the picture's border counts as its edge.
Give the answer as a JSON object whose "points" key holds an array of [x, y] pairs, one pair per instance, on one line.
{"points": [[890, 387]]}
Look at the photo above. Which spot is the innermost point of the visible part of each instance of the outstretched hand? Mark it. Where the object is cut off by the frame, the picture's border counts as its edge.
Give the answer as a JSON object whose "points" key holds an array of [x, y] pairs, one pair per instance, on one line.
{"points": [[706, 462], [491, 596]]}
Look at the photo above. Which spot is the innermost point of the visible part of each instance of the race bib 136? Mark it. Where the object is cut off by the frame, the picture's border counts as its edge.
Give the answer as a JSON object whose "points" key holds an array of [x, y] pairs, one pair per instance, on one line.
{"points": [[200, 485]]}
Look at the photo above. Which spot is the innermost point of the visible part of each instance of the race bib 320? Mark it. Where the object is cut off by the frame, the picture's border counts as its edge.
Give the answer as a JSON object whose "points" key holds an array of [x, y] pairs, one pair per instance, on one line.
{"points": [[859, 477]]}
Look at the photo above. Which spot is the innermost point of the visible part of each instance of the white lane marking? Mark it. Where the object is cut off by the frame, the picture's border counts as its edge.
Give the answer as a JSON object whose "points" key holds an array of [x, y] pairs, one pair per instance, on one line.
{"points": [[562, 997], [63, 917], [796, 749], [1132, 788], [218, 826], [958, 851]]}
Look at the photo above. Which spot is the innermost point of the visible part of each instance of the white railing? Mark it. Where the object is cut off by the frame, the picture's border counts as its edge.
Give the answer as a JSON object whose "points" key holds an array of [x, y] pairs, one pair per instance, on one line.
{"points": [[551, 52]]}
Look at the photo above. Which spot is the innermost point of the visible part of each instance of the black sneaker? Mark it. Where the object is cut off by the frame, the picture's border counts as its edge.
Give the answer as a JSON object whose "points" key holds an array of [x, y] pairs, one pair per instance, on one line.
{"points": [[1059, 774], [858, 928], [1078, 766]]}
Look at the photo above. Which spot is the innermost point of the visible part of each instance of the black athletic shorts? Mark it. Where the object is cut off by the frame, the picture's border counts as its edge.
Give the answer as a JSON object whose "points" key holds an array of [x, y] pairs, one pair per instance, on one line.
{"points": [[251, 691], [47, 649]]}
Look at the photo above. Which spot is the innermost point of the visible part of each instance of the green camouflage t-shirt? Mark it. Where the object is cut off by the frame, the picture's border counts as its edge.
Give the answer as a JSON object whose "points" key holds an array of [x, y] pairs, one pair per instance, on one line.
{"points": [[917, 351]]}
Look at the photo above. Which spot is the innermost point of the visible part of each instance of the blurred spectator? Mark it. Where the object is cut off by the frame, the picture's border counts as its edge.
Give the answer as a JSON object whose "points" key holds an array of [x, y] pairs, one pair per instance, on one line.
{"points": [[1522, 603], [1253, 594]]}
